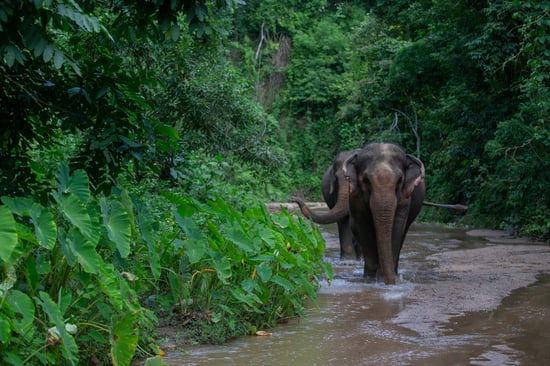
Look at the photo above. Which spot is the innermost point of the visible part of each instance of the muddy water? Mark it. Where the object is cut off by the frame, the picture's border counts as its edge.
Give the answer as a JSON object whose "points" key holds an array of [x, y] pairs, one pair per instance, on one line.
{"points": [[460, 300]]}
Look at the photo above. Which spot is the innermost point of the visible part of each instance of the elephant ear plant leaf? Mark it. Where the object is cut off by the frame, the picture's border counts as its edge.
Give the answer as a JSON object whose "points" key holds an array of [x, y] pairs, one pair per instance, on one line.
{"points": [[76, 183], [59, 336], [117, 222], [44, 226], [124, 338], [8, 234], [43, 220], [246, 266], [69, 255], [84, 251]]}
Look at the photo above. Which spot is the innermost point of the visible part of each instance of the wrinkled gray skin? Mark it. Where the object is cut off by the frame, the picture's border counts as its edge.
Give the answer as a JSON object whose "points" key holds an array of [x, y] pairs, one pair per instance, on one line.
{"points": [[335, 189], [386, 194]]}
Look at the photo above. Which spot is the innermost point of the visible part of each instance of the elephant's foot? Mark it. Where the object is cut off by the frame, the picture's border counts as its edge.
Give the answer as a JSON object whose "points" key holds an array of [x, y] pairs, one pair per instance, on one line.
{"points": [[370, 274]]}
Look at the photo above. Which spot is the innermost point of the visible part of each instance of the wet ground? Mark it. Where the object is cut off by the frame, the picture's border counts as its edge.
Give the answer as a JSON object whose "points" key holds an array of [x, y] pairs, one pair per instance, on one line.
{"points": [[462, 299]]}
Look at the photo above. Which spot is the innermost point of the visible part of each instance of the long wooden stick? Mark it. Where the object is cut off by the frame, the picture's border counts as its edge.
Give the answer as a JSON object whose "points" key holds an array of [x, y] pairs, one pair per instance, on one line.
{"points": [[460, 208]]}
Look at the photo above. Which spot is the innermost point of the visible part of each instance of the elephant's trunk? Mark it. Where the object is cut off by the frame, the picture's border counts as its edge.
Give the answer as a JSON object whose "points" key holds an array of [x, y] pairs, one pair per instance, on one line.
{"points": [[336, 213], [383, 209]]}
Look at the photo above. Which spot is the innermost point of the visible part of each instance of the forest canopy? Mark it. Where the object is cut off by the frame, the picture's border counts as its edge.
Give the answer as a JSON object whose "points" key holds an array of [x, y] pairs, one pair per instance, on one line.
{"points": [[283, 86]]}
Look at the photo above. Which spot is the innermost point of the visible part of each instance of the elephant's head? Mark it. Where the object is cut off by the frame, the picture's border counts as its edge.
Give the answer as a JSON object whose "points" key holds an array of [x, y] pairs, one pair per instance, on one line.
{"points": [[335, 186], [382, 178]]}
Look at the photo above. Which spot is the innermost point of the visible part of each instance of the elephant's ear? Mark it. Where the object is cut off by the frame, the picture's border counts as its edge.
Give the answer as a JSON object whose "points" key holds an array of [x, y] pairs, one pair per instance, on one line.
{"points": [[414, 175], [348, 168], [332, 179]]}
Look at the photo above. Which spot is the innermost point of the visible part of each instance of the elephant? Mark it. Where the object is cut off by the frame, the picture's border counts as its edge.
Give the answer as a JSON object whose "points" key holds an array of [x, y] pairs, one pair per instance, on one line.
{"points": [[386, 193], [335, 190]]}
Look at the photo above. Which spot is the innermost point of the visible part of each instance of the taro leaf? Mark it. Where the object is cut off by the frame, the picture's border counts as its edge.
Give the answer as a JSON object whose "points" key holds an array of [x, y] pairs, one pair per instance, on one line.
{"points": [[283, 282], [68, 344], [20, 206], [270, 237], [84, 251], [124, 338], [195, 249], [23, 305], [118, 225], [44, 226], [8, 234], [223, 269], [75, 211], [76, 183], [110, 285], [281, 221], [238, 237], [148, 236], [264, 272], [70, 257], [196, 243], [248, 298], [250, 285], [79, 185], [5, 329]]}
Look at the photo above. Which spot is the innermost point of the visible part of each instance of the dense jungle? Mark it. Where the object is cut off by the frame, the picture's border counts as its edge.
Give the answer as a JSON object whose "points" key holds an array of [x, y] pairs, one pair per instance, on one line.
{"points": [[140, 141]]}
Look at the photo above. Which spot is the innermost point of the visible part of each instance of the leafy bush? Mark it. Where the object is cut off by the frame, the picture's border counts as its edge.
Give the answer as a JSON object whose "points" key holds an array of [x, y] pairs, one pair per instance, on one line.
{"points": [[242, 268], [76, 271], [65, 294]]}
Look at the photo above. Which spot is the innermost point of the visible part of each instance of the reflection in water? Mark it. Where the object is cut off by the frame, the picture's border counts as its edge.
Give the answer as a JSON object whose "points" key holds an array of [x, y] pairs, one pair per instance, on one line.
{"points": [[357, 322]]}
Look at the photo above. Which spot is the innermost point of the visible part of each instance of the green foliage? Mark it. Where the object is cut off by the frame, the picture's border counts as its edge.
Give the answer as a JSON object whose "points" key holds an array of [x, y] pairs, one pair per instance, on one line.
{"points": [[209, 104], [59, 285], [75, 270], [76, 68], [246, 268], [463, 85]]}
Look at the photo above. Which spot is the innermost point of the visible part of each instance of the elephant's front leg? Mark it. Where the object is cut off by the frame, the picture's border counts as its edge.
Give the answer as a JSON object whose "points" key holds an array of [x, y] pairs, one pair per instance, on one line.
{"points": [[363, 230], [347, 250], [399, 230]]}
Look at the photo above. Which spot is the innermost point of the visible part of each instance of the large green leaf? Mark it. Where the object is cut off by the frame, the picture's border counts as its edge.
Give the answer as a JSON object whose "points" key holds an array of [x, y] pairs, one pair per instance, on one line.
{"points": [[195, 249], [117, 222], [5, 329], [43, 220], [286, 284], [77, 214], [84, 251], [223, 269], [124, 338], [44, 226], [149, 237], [196, 243], [19, 205], [8, 234], [110, 285], [264, 271], [237, 236], [76, 183], [248, 298], [22, 304], [68, 344]]}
